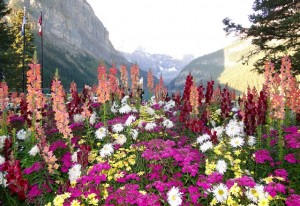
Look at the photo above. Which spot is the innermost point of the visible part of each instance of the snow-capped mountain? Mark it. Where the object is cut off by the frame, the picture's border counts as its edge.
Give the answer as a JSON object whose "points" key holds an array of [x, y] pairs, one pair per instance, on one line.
{"points": [[160, 64]]}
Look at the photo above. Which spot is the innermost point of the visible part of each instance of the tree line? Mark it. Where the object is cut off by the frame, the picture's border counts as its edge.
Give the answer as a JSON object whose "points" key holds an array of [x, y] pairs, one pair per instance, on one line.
{"points": [[12, 46]]}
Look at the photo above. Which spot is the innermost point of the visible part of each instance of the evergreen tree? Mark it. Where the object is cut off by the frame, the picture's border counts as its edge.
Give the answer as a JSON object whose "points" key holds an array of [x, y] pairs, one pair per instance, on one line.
{"points": [[14, 71], [275, 30], [5, 37]]}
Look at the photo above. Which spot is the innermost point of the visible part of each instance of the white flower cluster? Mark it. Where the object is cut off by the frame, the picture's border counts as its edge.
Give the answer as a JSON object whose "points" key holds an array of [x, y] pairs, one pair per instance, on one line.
{"points": [[22, 134], [3, 180], [74, 172], [93, 118], [101, 133], [130, 120], [120, 139], [2, 160], [34, 150], [125, 108], [168, 123], [169, 105], [114, 108], [2, 141], [107, 150], [117, 128], [78, 118], [205, 143]]}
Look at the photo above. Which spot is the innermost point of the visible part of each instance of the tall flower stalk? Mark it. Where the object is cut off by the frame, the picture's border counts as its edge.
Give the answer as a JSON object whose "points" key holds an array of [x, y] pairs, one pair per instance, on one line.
{"points": [[194, 96], [103, 90], [124, 78], [35, 100], [113, 82], [160, 90], [3, 103], [150, 83], [134, 74], [60, 111]]}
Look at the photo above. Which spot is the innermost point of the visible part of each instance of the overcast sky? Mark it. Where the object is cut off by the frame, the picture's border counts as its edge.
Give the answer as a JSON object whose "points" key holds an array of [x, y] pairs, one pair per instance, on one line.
{"points": [[174, 27]]}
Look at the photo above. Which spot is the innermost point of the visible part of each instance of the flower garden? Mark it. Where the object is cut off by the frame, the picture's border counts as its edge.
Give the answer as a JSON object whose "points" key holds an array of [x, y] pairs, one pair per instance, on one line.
{"points": [[107, 146]]}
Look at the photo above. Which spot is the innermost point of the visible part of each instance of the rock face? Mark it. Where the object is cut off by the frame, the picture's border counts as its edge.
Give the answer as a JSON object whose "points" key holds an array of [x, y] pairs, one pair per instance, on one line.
{"points": [[72, 25], [75, 40]]}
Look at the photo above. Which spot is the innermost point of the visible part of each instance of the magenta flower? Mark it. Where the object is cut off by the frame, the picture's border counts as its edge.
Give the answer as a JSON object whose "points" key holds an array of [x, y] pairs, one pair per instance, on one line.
{"points": [[34, 168], [34, 191], [281, 173], [262, 155], [273, 187], [293, 200], [290, 158], [246, 181]]}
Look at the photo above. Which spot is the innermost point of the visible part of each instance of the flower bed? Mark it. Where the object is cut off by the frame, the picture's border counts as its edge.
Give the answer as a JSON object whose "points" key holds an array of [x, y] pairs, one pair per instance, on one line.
{"points": [[202, 148]]}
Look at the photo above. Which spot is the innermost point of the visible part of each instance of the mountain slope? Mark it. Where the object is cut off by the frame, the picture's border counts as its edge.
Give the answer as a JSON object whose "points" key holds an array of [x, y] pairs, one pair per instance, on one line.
{"points": [[75, 40], [224, 67], [160, 64]]}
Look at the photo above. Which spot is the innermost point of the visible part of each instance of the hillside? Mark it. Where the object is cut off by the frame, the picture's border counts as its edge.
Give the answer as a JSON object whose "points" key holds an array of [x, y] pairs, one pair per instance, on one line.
{"points": [[160, 64], [224, 67], [75, 40]]}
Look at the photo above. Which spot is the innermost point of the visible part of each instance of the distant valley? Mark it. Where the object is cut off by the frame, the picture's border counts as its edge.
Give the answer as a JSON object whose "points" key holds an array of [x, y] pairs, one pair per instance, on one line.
{"points": [[160, 64]]}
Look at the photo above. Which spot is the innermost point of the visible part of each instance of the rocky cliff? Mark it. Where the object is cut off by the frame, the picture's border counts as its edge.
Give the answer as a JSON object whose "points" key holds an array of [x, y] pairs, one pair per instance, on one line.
{"points": [[75, 40]]}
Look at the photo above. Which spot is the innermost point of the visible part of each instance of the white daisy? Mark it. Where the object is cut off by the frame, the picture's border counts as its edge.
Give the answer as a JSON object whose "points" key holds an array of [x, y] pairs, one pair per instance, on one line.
{"points": [[150, 126], [237, 142], [219, 131], [121, 139], [234, 128], [21, 134], [107, 150], [2, 160], [174, 196], [167, 123], [74, 172], [220, 192], [256, 193], [206, 146], [117, 128], [221, 166], [2, 141], [150, 111], [34, 150], [251, 140], [203, 138], [78, 118], [125, 109], [129, 120], [134, 133], [101, 133], [114, 108], [93, 118]]}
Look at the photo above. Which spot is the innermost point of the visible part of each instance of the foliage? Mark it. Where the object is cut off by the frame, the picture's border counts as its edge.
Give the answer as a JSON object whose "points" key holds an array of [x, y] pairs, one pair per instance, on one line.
{"points": [[274, 30], [5, 37]]}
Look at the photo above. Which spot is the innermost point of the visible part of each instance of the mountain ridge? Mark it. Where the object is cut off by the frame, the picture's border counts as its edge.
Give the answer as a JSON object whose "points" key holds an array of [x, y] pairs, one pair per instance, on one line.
{"points": [[75, 40]]}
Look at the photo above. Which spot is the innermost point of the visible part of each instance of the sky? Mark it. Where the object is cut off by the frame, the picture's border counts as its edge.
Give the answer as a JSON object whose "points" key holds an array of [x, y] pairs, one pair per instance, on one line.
{"points": [[173, 27]]}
